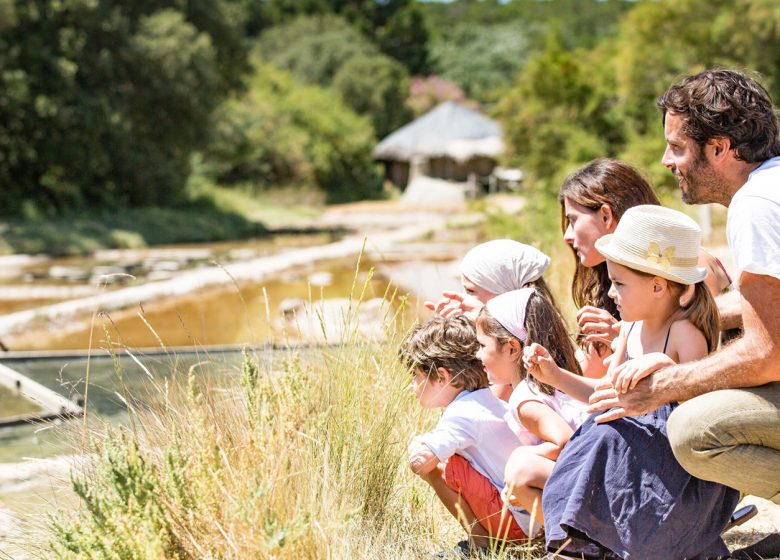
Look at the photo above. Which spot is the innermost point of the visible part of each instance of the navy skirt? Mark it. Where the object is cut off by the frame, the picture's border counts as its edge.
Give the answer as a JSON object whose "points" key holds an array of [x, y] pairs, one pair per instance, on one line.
{"points": [[618, 485]]}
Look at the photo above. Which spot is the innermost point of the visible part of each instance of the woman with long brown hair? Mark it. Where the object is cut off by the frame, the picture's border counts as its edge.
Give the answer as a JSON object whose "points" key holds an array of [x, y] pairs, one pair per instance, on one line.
{"points": [[593, 199]]}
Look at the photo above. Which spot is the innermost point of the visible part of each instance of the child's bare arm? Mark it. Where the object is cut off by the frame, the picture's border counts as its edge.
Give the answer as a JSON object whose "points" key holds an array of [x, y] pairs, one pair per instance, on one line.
{"points": [[546, 424], [421, 459], [540, 364], [686, 342]]}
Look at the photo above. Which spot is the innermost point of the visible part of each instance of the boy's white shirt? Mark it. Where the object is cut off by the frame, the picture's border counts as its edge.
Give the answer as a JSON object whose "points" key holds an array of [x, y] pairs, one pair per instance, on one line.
{"points": [[473, 426]]}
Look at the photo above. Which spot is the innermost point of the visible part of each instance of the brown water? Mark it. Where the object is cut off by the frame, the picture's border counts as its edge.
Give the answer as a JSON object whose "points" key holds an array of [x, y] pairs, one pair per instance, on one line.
{"points": [[222, 315], [110, 270]]}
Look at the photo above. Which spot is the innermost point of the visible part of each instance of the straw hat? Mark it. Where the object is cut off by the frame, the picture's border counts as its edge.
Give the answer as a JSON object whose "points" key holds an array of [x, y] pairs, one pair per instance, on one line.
{"points": [[656, 240]]}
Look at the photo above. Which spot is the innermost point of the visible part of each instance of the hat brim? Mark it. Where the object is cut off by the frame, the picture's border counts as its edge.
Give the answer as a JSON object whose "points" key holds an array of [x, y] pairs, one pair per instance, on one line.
{"points": [[682, 274]]}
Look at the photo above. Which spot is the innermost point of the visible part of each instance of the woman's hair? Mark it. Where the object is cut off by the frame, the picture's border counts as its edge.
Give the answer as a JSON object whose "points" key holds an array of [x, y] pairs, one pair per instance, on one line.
{"points": [[545, 326], [721, 103], [618, 185], [447, 342], [702, 311]]}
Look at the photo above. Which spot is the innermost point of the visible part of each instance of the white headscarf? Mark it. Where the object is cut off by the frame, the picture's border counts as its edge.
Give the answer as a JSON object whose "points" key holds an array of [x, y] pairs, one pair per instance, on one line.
{"points": [[509, 310], [502, 265]]}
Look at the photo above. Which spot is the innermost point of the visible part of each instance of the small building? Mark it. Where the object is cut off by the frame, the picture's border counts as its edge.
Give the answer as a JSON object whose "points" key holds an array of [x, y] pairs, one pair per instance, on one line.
{"points": [[450, 142]]}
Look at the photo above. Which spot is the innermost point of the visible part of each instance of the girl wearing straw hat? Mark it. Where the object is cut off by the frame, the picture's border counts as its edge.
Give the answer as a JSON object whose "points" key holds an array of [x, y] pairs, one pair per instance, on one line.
{"points": [[593, 200], [617, 487]]}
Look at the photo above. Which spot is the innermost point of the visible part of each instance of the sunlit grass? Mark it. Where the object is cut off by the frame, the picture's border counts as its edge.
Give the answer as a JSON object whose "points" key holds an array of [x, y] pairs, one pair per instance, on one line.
{"points": [[302, 455]]}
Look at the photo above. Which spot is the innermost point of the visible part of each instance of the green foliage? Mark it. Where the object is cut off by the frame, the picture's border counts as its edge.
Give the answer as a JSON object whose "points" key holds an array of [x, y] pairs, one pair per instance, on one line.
{"points": [[327, 51], [282, 132], [103, 101], [568, 106], [131, 228], [559, 113], [313, 48], [127, 491], [376, 86], [481, 58], [397, 27]]}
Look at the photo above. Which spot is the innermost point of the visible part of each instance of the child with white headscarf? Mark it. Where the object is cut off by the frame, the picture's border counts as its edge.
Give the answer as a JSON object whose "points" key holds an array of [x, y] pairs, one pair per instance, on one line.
{"points": [[493, 268]]}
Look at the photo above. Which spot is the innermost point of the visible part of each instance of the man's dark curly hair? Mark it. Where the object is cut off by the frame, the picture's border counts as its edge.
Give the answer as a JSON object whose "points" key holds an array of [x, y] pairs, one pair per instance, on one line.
{"points": [[721, 103], [447, 342]]}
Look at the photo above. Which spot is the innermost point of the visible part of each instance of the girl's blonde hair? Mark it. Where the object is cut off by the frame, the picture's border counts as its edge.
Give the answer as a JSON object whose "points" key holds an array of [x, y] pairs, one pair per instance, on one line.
{"points": [[701, 310], [545, 326]]}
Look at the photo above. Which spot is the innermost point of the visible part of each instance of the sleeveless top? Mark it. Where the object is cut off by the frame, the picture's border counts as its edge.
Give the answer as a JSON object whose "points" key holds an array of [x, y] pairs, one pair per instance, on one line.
{"points": [[666, 342]]}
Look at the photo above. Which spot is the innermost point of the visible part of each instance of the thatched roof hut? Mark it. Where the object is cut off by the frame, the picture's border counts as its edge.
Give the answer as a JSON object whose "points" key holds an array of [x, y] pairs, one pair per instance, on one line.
{"points": [[450, 141]]}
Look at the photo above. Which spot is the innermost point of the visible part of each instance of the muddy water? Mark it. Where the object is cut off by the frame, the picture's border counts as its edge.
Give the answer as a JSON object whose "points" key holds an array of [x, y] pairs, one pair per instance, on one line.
{"points": [[41, 281], [245, 314]]}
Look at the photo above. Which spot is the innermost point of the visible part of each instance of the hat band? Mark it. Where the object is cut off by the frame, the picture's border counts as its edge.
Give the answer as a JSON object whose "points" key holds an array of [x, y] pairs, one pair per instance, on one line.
{"points": [[653, 255]]}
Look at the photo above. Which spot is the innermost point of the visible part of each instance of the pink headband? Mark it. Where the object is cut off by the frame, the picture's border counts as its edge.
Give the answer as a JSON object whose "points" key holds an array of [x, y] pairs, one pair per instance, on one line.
{"points": [[509, 310]]}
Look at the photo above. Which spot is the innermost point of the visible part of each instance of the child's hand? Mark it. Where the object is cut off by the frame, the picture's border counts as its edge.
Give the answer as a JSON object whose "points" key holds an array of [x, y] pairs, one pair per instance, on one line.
{"points": [[421, 458], [627, 375], [539, 363], [454, 303]]}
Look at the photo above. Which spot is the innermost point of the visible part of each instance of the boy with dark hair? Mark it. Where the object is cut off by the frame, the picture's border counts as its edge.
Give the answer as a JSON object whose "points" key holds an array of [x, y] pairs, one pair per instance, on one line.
{"points": [[442, 354]]}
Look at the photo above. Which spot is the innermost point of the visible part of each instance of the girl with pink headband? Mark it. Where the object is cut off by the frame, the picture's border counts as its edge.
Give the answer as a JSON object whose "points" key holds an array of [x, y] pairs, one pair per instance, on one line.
{"points": [[542, 417]]}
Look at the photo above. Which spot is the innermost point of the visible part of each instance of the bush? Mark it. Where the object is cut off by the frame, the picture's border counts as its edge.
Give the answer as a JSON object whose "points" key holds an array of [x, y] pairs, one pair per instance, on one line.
{"points": [[282, 132]]}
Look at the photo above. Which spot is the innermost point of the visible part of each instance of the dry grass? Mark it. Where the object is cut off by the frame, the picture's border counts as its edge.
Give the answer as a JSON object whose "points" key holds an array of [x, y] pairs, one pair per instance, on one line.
{"points": [[303, 458]]}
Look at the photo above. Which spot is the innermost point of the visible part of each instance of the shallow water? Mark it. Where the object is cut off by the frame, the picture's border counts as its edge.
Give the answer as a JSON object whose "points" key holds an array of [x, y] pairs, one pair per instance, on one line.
{"points": [[113, 383]]}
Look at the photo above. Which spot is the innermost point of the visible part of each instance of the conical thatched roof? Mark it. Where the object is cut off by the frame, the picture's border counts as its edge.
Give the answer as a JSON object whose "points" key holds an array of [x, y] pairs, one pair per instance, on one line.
{"points": [[448, 130]]}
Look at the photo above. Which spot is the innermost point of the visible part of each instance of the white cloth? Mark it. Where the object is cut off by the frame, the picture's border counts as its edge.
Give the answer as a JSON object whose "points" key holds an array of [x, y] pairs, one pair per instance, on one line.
{"points": [[571, 410], [473, 426], [509, 310], [502, 265], [753, 223]]}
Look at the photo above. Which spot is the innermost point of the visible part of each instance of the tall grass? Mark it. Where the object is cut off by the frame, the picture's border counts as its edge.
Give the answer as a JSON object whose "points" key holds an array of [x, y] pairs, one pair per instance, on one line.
{"points": [[301, 456]]}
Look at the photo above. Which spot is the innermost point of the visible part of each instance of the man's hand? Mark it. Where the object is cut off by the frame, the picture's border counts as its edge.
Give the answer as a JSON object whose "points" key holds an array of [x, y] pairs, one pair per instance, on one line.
{"points": [[641, 400]]}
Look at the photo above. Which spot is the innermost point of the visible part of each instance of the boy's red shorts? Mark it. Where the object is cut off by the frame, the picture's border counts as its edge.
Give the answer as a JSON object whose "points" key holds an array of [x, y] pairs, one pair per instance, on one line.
{"points": [[483, 498]]}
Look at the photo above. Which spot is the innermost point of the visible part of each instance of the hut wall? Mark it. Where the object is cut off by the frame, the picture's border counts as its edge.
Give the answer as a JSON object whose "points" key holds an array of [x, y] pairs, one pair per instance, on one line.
{"points": [[397, 172], [447, 168]]}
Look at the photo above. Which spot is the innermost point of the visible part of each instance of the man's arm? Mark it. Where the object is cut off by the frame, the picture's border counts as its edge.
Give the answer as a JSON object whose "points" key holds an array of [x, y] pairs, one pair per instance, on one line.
{"points": [[749, 361], [730, 308]]}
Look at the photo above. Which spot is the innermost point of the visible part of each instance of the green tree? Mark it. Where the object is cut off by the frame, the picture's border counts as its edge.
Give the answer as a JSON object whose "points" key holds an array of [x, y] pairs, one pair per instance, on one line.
{"points": [[376, 86], [481, 59], [313, 48], [284, 132], [560, 112], [102, 102], [397, 27]]}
